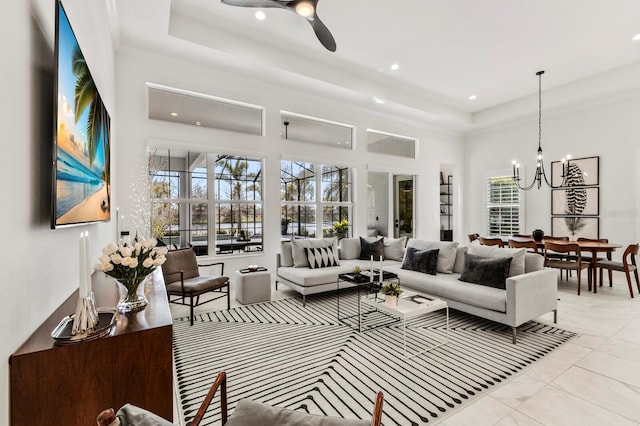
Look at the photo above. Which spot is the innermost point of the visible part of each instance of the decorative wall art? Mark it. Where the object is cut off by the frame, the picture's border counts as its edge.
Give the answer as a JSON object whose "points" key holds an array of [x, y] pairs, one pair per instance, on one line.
{"points": [[575, 201], [582, 172], [575, 207], [575, 227]]}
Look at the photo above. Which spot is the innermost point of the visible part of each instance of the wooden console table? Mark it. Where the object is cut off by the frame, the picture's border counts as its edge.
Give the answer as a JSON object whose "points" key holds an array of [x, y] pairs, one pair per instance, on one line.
{"points": [[71, 384]]}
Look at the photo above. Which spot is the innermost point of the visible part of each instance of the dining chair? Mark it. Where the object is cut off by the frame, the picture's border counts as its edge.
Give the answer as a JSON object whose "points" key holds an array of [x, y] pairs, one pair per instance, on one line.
{"points": [[491, 241], [627, 265], [557, 255], [531, 245], [588, 257], [565, 256], [473, 237], [523, 235], [182, 278]]}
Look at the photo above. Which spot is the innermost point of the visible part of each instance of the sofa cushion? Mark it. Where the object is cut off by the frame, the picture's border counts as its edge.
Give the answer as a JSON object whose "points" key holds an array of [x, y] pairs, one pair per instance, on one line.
{"points": [[394, 248], [371, 248], [446, 256], [349, 248], [286, 253], [307, 277], [250, 413], [517, 264], [533, 262], [321, 257], [424, 261], [458, 266], [491, 272], [300, 256]]}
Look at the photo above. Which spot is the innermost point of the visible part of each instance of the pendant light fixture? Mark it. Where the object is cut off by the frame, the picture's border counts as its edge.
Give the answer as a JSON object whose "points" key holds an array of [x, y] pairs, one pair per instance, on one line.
{"points": [[540, 175]]}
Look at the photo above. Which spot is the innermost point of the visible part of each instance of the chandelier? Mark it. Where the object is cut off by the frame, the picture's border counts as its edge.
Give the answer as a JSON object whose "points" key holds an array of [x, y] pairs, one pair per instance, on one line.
{"points": [[540, 175]]}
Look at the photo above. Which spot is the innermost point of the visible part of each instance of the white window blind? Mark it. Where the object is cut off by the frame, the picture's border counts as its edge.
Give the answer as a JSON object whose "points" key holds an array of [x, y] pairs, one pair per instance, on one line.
{"points": [[503, 206]]}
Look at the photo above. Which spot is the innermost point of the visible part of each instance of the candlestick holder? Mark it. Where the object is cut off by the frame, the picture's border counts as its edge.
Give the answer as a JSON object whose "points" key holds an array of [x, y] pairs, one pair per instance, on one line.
{"points": [[86, 316]]}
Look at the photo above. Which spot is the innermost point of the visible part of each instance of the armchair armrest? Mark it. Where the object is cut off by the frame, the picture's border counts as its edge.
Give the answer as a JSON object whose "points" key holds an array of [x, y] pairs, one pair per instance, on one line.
{"points": [[220, 382], [221, 264]]}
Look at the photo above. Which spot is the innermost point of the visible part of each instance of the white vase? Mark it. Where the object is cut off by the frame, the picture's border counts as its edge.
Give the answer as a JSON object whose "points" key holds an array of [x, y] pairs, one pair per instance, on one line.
{"points": [[391, 301]]}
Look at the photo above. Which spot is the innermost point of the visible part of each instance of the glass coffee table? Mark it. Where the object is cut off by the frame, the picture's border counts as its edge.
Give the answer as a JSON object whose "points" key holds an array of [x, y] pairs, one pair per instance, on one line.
{"points": [[410, 305]]}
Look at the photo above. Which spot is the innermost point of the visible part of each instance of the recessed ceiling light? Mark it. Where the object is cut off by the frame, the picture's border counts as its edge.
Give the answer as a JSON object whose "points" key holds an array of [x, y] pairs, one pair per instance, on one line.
{"points": [[636, 37], [472, 97], [378, 100], [198, 123], [394, 67], [260, 15], [175, 114]]}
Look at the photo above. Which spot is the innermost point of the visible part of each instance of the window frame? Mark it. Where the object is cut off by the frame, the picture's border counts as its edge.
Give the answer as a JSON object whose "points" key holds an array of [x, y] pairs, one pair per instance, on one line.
{"points": [[488, 205]]}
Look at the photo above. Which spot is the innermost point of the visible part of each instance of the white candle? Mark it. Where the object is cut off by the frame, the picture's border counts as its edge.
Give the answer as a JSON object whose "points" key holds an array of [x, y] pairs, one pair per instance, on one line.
{"points": [[371, 271], [380, 271], [87, 260], [83, 265]]}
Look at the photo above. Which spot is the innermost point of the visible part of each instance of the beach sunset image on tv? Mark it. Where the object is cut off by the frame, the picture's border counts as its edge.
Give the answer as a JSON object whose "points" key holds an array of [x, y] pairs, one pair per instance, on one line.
{"points": [[82, 172]]}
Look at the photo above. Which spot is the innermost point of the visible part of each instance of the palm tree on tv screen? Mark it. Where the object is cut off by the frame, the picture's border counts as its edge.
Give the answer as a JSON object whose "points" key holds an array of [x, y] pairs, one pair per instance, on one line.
{"points": [[86, 94]]}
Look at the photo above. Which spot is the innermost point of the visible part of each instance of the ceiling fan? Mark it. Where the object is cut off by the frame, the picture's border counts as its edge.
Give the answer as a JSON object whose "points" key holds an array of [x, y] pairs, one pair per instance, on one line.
{"points": [[304, 8]]}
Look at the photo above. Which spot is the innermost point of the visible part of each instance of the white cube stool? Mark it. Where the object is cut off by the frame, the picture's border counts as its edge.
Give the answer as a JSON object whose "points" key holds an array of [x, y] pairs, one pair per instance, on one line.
{"points": [[253, 287]]}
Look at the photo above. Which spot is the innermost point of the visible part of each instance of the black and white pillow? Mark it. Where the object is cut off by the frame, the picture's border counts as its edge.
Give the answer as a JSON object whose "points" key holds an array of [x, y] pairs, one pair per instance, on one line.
{"points": [[321, 257]]}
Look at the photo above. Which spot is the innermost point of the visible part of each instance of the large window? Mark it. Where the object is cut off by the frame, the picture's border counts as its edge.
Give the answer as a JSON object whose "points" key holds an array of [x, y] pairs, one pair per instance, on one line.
{"points": [[504, 209], [184, 185], [314, 198]]}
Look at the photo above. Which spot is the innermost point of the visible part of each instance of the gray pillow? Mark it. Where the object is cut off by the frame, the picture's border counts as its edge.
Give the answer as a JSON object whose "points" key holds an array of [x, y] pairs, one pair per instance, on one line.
{"points": [[517, 264], [394, 248], [446, 256], [458, 266], [286, 254], [368, 249], [491, 272], [424, 261], [251, 413], [130, 414], [349, 248]]}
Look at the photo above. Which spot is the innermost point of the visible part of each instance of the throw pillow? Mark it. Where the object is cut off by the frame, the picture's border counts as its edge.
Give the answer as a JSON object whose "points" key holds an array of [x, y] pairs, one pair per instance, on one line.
{"points": [[286, 254], [321, 257], [394, 248], [373, 248], [517, 264], [424, 261], [300, 259], [349, 248], [446, 257], [486, 271]]}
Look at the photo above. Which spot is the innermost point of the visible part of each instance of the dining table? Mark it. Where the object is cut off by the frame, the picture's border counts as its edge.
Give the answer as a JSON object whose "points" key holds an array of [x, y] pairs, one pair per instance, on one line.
{"points": [[589, 246]]}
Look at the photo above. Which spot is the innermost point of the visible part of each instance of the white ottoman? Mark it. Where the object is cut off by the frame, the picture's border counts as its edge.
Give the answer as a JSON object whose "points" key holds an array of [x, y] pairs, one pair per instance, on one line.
{"points": [[253, 287]]}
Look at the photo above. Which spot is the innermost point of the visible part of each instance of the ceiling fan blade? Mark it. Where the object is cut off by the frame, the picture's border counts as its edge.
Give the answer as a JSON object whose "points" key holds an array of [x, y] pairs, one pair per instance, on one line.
{"points": [[322, 32], [253, 3]]}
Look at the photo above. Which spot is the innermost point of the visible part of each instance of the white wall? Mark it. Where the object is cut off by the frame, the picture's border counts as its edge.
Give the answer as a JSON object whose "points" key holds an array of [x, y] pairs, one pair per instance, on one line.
{"points": [[608, 128], [39, 264], [135, 68]]}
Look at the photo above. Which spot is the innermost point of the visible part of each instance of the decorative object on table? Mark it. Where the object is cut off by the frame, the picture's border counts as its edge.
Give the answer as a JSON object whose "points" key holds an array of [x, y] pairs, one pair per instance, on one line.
{"points": [[357, 270], [540, 174], [392, 291], [85, 318], [341, 228], [538, 235], [130, 264], [64, 334], [253, 268]]}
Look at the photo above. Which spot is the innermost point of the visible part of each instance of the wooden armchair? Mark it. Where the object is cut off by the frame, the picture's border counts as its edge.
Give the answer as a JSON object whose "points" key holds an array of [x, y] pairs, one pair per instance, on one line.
{"points": [[182, 278], [565, 256], [246, 413], [627, 266]]}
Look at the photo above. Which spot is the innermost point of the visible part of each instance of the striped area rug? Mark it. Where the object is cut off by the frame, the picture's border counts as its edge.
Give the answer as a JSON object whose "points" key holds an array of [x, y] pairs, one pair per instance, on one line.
{"points": [[305, 359]]}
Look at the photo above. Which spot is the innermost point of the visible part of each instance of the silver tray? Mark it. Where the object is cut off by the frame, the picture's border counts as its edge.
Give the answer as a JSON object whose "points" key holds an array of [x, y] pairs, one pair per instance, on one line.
{"points": [[62, 333]]}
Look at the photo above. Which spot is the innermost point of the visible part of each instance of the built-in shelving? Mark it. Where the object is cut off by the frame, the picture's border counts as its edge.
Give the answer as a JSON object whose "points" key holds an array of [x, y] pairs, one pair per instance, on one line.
{"points": [[446, 208]]}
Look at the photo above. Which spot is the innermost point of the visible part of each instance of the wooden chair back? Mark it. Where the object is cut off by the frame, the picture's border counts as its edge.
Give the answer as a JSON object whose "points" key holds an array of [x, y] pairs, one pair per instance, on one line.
{"points": [[491, 241], [526, 244], [473, 237]]}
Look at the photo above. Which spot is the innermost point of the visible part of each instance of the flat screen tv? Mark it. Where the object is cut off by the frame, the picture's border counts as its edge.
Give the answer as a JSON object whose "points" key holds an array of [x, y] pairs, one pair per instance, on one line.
{"points": [[81, 170]]}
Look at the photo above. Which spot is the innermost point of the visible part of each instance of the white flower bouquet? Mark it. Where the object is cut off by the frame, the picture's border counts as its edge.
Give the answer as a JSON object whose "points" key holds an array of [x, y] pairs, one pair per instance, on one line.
{"points": [[130, 263]]}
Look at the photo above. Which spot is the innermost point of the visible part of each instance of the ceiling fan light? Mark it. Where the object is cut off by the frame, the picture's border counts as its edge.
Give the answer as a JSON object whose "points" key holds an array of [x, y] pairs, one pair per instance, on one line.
{"points": [[305, 9]]}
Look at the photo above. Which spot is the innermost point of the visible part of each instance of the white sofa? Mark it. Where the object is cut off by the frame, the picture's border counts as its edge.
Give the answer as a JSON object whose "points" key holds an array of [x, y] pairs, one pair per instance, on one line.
{"points": [[529, 293]]}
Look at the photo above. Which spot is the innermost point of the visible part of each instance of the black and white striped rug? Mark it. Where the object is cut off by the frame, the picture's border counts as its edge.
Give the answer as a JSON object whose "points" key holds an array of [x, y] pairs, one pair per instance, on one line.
{"points": [[305, 359]]}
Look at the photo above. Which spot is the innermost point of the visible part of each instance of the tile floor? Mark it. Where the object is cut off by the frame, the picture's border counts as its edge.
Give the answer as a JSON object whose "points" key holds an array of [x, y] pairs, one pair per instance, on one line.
{"points": [[592, 380]]}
